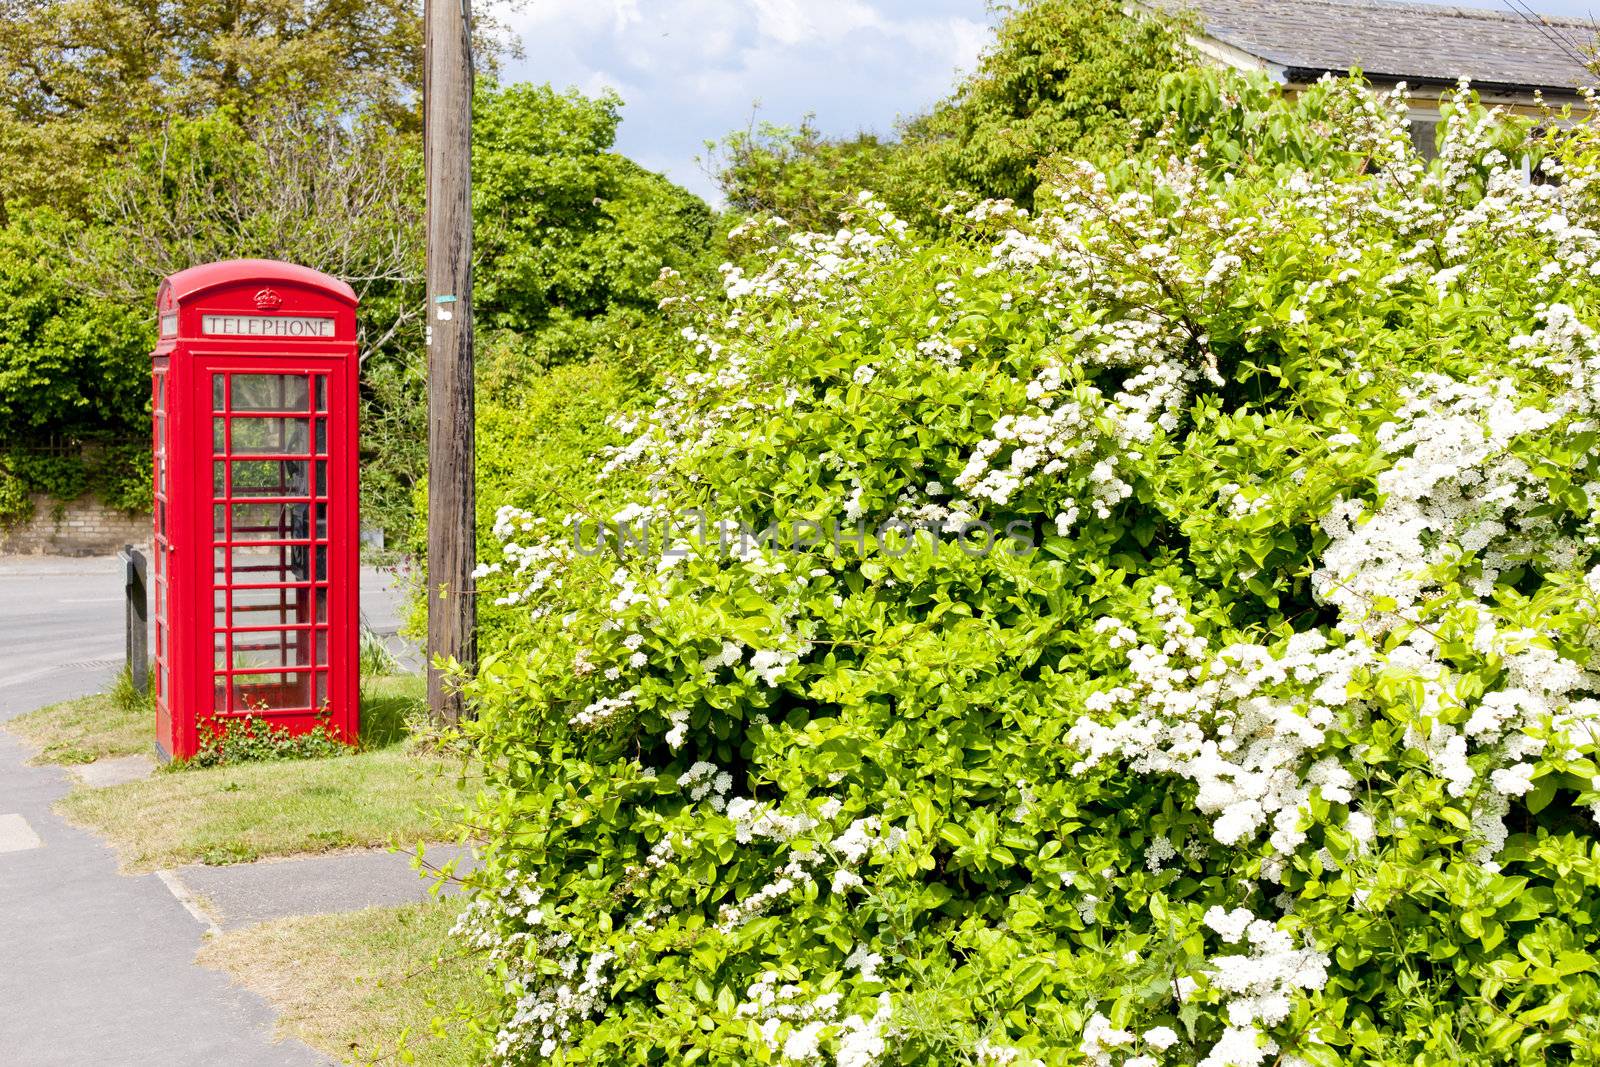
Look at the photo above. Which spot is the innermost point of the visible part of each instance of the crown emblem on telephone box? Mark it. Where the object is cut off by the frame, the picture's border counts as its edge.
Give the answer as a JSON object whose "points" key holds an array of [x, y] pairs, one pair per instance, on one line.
{"points": [[268, 299]]}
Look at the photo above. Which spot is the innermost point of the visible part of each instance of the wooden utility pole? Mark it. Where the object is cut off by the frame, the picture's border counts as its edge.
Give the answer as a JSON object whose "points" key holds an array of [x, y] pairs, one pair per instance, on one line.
{"points": [[447, 132]]}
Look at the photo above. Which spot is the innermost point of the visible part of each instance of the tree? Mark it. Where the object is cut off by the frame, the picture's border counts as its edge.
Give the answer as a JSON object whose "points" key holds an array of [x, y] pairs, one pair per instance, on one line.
{"points": [[1062, 77], [565, 227], [297, 184], [303, 184], [1077, 77], [81, 78], [796, 173]]}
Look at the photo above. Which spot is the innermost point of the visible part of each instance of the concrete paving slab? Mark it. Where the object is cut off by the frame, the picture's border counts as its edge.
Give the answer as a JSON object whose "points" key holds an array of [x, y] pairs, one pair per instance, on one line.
{"points": [[249, 893], [107, 772], [16, 835]]}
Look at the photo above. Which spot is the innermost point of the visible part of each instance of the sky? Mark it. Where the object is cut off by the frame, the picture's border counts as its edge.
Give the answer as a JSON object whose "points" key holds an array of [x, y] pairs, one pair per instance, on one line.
{"points": [[690, 71]]}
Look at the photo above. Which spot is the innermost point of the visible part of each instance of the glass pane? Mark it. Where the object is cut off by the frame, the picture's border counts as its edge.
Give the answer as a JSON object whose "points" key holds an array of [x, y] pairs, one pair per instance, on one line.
{"points": [[322, 392], [270, 392], [322, 647], [269, 607], [272, 436], [270, 522], [218, 429], [322, 437], [268, 477], [268, 691], [216, 392], [261, 564], [322, 478], [266, 651]]}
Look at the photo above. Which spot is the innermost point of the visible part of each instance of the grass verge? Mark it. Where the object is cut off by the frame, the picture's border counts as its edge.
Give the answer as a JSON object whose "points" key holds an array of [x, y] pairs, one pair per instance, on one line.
{"points": [[105, 726], [243, 812], [387, 791], [361, 985]]}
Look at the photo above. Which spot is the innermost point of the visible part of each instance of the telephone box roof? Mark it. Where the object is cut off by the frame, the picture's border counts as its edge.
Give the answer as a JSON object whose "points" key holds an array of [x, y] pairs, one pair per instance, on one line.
{"points": [[196, 280]]}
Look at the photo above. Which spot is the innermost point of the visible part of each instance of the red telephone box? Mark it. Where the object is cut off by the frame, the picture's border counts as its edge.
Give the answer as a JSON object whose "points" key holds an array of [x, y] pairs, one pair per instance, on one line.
{"points": [[255, 557]]}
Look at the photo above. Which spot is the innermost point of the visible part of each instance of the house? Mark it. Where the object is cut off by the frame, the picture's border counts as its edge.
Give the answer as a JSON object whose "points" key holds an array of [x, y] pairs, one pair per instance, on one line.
{"points": [[1511, 57]]}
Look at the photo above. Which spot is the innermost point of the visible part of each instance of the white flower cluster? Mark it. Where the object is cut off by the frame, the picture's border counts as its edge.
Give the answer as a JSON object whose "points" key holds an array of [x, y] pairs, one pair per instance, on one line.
{"points": [[987, 1052], [548, 1006], [1454, 490], [1214, 720], [1104, 1045], [862, 838], [704, 780], [752, 819], [799, 1030], [792, 875], [1259, 984], [537, 566]]}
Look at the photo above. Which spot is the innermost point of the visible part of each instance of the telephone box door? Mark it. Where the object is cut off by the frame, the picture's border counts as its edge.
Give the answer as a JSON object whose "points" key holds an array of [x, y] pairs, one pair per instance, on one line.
{"points": [[276, 581]]}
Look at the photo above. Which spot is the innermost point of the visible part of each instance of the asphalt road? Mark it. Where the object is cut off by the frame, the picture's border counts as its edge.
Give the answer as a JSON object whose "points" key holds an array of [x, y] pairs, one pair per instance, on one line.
{"points": [[97, 967], [61, 630]]}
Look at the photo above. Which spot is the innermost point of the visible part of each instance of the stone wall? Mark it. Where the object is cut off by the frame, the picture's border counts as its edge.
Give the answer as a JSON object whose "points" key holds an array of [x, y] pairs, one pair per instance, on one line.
{"points": [[84, 527]]}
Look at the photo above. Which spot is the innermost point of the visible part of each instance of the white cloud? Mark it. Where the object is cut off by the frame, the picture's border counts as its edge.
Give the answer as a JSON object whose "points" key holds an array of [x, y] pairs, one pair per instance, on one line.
{"points": [[627, 14], [690, 70], [783, 21]]}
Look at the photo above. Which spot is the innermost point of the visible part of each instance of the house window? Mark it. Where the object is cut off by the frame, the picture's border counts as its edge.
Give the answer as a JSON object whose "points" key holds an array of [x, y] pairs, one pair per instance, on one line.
{"points": [[1423, 137]]}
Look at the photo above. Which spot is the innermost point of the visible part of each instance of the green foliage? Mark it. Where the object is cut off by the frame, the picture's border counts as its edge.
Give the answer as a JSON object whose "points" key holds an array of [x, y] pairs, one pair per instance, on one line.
{"points": [[128, 698], [76, 365], [798, 174], [74, 380], [253, 739], [1269, 718], [15, 503], [566, 228]]}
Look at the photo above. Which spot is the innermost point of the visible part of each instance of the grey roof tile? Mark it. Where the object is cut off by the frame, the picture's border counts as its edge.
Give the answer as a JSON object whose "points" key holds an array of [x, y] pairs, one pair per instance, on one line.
{"points": [[1419, 42]]}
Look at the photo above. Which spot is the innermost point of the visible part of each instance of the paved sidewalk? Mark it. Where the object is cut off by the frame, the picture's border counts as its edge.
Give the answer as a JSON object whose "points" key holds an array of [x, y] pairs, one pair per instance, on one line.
{"points": [[247, 893], [97, 967]]}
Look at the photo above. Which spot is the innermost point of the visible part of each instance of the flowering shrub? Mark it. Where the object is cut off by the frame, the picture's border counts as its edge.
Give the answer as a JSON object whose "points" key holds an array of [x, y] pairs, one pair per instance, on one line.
{"points": [[1264, 734]]}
